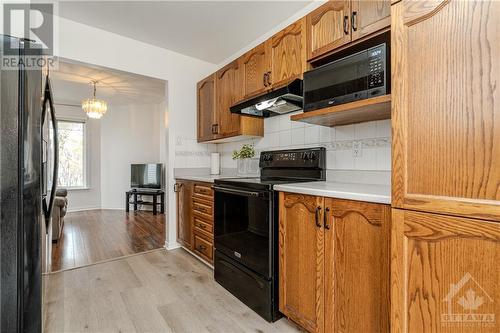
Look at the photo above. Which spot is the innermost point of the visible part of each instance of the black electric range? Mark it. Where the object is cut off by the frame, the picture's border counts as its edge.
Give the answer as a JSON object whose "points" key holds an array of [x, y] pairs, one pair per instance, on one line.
{"points": [[246, 226]]}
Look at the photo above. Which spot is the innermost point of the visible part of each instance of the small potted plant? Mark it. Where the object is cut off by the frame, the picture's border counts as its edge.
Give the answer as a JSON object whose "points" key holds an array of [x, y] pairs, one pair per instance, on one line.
{"points": [[244, 159]]}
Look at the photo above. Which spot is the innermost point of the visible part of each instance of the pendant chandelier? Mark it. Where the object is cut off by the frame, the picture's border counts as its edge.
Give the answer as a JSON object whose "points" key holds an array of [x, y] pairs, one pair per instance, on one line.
{"points": [[93, 107]]}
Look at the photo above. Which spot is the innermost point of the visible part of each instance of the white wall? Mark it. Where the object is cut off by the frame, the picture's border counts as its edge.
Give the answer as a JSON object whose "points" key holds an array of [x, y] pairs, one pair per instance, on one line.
{"points": [[95, 46], [129, 134], [89, 198]]}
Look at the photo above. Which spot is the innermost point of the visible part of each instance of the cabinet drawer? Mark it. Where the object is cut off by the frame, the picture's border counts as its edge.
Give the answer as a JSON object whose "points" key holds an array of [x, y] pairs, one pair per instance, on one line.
{"points": [[204, 208], [203, 226], [203, 191], [203, 248]]}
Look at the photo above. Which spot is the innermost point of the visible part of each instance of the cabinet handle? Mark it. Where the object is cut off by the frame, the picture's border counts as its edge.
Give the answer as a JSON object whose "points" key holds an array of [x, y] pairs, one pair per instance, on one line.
{"points": [[269, 78], [326, 217], [201, 226], [177, 187], [213, 129], [316, 216], [346, 25], [201, 248], [216, 128], [264, 79], [354, 21]]}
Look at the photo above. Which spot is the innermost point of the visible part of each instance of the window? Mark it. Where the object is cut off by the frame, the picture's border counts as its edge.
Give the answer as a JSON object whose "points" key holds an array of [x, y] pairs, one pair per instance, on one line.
{"points": [[72, 154]]}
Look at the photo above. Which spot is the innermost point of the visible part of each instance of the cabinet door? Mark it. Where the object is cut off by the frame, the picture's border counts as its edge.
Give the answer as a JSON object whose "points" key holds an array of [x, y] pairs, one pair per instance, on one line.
{"points": [[301, 270], [357, 270], [445, 273], [228, 92], [288, 54], [206, 108], [328, 27], [184, 213], [255, 65], [369, 16], [446, 107]]}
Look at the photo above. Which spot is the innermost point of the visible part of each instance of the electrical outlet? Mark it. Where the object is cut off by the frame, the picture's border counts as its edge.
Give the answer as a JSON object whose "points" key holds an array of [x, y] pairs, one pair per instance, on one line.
{"points": [[356, 149]]}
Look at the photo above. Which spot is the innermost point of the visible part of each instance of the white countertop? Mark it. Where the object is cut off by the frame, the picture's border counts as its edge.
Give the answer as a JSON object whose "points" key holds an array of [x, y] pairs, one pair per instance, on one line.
{"points": [[350, 191], [203, 178]]}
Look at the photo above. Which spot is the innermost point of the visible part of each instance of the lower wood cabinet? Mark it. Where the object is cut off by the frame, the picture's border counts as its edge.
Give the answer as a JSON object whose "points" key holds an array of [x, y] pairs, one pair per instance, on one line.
{"points": [[195, 202], [334, 263], [444, 273]]}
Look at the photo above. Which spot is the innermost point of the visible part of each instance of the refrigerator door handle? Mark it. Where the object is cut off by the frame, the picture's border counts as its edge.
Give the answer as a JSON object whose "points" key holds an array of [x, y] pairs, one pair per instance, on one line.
{"points": [[47, 98]]}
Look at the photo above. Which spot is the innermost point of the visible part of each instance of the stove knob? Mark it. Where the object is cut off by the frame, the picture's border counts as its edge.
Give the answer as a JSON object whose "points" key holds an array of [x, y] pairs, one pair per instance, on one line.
{"points": [[305, 156], [313, 156]]}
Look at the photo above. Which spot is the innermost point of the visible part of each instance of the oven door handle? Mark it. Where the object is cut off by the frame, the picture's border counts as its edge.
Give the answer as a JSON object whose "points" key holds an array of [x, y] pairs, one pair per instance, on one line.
{"points": [[241, 192]]}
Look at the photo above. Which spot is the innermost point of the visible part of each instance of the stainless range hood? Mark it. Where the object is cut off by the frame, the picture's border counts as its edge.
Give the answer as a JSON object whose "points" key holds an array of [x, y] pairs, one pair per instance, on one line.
{"points": [[274, 103]]}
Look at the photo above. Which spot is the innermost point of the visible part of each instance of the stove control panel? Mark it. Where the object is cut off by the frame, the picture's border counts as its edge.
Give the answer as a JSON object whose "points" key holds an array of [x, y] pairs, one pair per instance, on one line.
{"points": [[294, 158]]}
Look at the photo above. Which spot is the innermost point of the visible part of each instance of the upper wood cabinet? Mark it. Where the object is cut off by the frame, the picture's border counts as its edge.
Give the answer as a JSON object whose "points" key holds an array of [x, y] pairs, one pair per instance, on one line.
{"points": [[206, 108], [227, 92], [288, 54], [215, 95], [328, 27], [337, 23], [446, 107], [369, 16], [334, 263], [444, 273], [255, 67], [301, 258]]}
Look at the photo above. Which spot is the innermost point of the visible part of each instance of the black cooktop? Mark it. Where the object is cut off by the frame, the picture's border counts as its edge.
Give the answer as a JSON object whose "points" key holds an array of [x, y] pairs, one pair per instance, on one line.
{"points": [[256, 183], [283, 167]]}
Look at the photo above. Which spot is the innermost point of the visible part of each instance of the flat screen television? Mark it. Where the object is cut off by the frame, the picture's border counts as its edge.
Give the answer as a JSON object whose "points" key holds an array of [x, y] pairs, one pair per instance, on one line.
{"points": [[145, 175]]}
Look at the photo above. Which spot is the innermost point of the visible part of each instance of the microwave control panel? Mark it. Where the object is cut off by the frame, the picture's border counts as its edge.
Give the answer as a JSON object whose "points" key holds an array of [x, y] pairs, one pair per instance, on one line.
{"points": [[376, 65]]}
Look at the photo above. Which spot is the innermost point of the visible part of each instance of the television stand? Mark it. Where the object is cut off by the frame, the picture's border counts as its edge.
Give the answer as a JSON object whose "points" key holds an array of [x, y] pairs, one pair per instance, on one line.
{"points": [[154, 193]]}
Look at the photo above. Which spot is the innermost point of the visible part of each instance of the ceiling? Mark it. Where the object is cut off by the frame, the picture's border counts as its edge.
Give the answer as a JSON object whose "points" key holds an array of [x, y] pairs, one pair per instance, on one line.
{"points": [[208, 30], [71, 84]]}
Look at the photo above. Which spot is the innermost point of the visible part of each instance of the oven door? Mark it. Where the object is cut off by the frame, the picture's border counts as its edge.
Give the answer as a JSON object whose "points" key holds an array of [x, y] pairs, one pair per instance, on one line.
{"points": [[243, 221]]}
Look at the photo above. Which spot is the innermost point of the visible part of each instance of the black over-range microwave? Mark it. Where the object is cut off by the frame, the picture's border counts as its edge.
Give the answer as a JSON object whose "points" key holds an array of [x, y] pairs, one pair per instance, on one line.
{"points": [[358, 76]]}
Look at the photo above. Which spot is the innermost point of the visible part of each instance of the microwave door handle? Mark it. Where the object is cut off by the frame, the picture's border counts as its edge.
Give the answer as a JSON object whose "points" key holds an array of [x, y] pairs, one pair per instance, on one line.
{"points": [[47, 98]]}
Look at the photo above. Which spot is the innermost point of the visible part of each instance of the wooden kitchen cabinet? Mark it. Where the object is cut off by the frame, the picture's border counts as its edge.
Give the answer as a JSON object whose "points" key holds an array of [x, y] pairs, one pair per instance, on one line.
{"points": [[337, 23], [185, 234], [328, 27], [301, 259], [369, 16], [444, 266], [445, 107], [228, 92], [215, 95], [195, 216], [288, 54], [357, 266], [206, 108], [255, 68], [334, 263]]}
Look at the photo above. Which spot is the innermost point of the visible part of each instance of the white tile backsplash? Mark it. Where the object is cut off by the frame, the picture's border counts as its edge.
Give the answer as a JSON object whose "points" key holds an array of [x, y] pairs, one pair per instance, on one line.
{"points": [[281, 133]]}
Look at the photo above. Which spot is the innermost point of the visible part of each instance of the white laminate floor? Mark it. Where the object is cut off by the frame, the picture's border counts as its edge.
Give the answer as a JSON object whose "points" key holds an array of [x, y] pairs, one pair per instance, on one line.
{"points": [[157, 291]]}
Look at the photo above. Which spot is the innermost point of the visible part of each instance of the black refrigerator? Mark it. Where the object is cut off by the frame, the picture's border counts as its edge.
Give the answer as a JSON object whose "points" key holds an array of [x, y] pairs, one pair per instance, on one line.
{"points": [[28, 174]]}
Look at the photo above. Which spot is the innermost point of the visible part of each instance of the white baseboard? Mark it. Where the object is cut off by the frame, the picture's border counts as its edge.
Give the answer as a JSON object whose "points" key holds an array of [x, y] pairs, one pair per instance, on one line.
{"points": [[172, 246], [82, 209], [113, 208]]}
